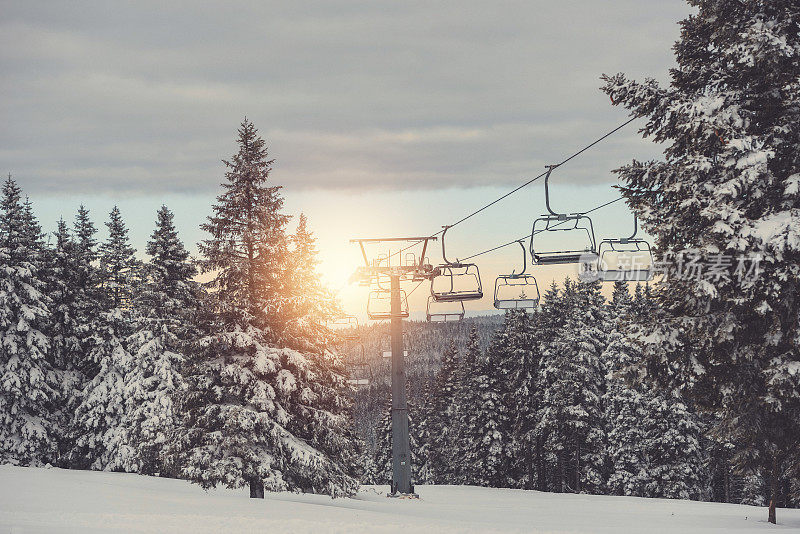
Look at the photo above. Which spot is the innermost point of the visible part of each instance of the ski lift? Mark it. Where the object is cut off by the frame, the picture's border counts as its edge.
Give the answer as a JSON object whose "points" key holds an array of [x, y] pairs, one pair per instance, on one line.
{"points": [[455, 281], [379, 304], [346, 326], [516, 291], [444, 312], [360, 375], [628, 259], [575, 230], [360, 371]]}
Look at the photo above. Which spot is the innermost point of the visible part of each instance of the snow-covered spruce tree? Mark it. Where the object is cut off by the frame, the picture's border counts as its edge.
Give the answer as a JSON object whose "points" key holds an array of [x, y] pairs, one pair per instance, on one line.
{"points": [[443, 423], [625, 405], [254, 413], [99, 428], [165, 305], [672, 443], [87, 295], [381, 464], [28, 389], [572, 381], [309, 303], [518, 362], [547, 325], [63, 327], [481, 442], [421, 430], [729, 184]]}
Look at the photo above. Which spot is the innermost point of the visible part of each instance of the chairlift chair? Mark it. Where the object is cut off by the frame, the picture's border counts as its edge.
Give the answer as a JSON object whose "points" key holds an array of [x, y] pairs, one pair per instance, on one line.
{"points": [[455, 281], [444, 312], [359, 369], [576, 225], [379, 304], [360, 375], [516, 291], [346, 326], [386, 346], [628, 259]]}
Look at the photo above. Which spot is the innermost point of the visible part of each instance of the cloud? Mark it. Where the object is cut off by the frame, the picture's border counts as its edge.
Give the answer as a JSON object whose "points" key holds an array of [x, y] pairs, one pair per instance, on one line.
{"points": [[145, 97]]}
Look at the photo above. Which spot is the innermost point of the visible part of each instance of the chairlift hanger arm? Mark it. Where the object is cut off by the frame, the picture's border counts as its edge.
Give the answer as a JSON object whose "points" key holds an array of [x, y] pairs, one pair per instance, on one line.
{"points": [[547, 190], [524, 259], [635, 227], [444, 253]]}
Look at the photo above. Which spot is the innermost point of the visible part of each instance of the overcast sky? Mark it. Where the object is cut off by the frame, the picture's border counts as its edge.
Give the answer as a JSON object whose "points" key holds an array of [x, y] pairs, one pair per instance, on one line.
{"points": [[383, 117], [144, 97]]}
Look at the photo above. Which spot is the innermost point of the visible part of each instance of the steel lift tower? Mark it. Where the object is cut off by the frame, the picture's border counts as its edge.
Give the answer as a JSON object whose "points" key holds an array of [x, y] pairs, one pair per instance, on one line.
{"points": [[417, 271]]}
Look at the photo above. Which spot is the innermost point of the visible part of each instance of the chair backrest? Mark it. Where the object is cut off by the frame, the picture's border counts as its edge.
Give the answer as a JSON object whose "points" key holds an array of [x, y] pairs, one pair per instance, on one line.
{"points": [[513, 292], [626, 260], [563, 239]]}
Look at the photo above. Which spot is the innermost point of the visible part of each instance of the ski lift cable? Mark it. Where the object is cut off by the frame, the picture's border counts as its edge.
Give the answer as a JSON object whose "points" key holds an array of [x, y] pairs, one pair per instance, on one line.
{"points": [[601, 206], [529, 182], [415, 288]]}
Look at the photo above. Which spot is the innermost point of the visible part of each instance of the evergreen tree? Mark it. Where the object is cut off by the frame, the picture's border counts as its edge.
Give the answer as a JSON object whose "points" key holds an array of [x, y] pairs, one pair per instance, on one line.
{"points": [[625, 404], [100, 425], [729, 184], [310, 303], [517, 359], [257, 414], [28, 390], [443, 424], [483, 420], [86, 294], [421, 469], [672, 444], [572, 377], [117, 262], [165, 309], [63, 328], [382, 463]]}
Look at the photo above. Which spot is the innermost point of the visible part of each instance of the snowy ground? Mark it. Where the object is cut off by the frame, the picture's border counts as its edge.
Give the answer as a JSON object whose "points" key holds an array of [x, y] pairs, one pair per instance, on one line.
{"points": [[56, 501]]}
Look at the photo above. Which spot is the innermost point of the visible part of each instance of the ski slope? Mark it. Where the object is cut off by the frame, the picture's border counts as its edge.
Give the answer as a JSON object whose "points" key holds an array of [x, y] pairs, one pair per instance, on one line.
{"points": [[58, 501]]}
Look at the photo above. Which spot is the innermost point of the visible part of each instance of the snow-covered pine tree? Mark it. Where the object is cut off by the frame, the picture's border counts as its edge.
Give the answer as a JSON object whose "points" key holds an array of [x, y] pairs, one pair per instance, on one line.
{"points": [[421, 434], [63, 327], [572, 379], [517, 359], [119, 267], [443, 422], [481, 443], [729, 185], [257, 414], [86, 296], [100, 425], [547, 324], [309, 303], [672, 443], [625, 405], [166, 306], [28, 390], [382, 464]]}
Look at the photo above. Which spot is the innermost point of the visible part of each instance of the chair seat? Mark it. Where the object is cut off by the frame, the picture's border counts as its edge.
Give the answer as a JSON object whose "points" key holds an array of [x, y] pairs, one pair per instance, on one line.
{"points": [[564, 258]]}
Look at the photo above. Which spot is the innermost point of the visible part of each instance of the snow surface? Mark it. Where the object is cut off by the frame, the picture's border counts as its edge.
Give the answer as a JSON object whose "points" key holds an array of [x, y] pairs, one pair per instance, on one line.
{"points": [[57, 501]]}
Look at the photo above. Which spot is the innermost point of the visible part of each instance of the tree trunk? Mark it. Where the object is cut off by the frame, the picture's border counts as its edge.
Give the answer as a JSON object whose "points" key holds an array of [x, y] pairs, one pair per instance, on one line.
{"points": [[773, 501], [256, 488]]}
